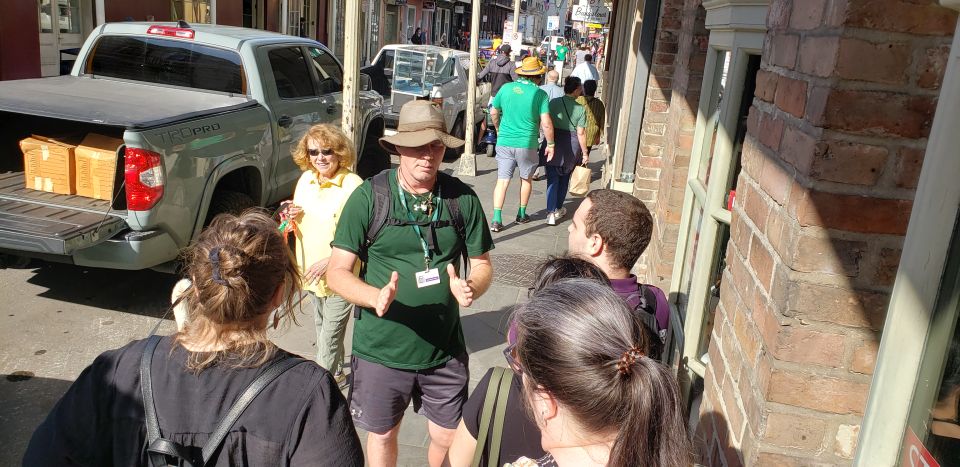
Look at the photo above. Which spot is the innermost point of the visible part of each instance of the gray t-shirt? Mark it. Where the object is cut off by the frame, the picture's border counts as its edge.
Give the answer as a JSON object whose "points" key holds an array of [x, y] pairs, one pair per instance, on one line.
{"points": [[553, 90]]}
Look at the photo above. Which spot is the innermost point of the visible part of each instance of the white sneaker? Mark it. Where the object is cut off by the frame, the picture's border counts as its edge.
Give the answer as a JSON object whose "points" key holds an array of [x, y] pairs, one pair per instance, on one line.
{"points": [[552, 219], [560, 213]]}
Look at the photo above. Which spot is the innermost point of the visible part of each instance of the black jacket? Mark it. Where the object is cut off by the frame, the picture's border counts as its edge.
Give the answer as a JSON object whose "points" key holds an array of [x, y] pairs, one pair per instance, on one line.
{"points": [[499, 71]]}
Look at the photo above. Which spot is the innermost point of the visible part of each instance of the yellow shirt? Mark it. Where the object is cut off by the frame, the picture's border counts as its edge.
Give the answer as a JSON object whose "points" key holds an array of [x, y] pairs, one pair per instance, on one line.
{"points": [[322, 203]]}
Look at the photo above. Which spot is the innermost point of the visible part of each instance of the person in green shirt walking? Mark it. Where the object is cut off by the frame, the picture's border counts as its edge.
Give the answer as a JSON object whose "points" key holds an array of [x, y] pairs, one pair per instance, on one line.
{"points": [[562, 51], [570, 122], [520, 110], [407, 338]]}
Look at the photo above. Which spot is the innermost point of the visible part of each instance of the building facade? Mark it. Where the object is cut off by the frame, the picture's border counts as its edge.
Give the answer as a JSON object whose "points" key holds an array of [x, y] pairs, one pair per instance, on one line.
{"points": [[796, 155]]}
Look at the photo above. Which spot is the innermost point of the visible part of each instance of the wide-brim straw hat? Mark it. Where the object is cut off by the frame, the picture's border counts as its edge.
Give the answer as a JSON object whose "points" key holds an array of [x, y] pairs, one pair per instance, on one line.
{"points": [[531, 66], [420, 123]]}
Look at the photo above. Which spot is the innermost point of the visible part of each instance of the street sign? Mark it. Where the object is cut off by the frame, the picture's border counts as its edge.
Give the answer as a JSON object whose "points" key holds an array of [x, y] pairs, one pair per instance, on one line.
{"points": [[429, 5], [591, 14], [553, 23]]}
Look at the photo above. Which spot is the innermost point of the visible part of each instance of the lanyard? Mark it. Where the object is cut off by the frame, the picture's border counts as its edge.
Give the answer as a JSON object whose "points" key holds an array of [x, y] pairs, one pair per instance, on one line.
{"points": [[416, 227]]}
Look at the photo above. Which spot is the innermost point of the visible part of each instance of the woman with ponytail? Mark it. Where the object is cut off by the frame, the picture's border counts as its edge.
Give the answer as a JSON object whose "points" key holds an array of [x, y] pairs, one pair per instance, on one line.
{"points": [[243, 280], [595, 395]]}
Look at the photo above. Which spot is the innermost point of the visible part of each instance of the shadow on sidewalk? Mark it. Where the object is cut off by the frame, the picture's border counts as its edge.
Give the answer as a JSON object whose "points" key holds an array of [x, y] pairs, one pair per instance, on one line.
{"points": [[486, 329]]}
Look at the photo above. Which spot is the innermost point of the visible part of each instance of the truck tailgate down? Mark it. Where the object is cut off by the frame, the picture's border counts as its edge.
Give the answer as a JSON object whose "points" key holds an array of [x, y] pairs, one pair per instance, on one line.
{"points": [[34, 221]]}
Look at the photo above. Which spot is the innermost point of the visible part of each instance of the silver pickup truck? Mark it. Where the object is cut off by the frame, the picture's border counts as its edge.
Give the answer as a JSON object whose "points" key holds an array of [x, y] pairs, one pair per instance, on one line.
{"points": [[208, 116]]}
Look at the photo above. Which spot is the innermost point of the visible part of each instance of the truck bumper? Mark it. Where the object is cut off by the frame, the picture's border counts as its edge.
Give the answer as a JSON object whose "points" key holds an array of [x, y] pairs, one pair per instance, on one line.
{"points": [[130, 250]]}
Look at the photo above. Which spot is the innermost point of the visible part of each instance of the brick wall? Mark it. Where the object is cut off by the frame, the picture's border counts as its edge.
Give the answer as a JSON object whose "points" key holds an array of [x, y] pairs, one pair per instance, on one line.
{"points": [[843, 106], [669, 118]]}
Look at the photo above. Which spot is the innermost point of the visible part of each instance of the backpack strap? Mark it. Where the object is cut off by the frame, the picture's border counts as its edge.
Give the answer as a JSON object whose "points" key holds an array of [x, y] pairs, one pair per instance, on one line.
{"points": [[382, 204], [277, 368], [489, 400], [456, 217], [493, 457], [156, 459]]}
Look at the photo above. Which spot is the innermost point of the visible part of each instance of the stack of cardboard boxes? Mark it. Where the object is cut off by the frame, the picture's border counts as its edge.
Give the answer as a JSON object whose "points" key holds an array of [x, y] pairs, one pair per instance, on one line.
{"points": [[60, 165]]}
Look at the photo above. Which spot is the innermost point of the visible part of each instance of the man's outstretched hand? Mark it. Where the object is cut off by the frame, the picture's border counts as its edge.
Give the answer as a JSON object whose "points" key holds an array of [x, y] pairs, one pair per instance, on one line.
{"points": [[461, 289], [387, 294]]}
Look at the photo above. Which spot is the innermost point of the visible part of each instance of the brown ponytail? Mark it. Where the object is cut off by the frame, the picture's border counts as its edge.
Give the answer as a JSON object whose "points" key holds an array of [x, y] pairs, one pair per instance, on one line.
{"points": [[236, 268], [580, 342]]}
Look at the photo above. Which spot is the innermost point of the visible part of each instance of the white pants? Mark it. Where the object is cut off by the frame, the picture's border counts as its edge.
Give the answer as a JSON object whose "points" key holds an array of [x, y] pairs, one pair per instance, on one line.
{"points": [[558, 66]]}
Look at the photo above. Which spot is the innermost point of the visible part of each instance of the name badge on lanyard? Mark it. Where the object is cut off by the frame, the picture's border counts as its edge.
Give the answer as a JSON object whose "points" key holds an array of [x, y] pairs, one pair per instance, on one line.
{"points": [[428, 278]]}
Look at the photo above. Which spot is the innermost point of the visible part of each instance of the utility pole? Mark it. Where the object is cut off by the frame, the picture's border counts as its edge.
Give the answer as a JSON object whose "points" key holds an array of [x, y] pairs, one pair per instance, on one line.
{"points": [[351, 70], [468, 161], [516, 28]]}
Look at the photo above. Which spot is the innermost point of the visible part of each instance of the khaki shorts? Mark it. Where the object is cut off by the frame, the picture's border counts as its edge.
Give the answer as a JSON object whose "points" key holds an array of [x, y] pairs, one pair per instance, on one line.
{"points": [[379, 394]]}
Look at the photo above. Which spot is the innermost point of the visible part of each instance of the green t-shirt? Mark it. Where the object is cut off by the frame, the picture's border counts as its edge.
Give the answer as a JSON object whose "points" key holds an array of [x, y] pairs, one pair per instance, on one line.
{"points": [[562, 52], [421, 329], [567, 114], [520, 103]]}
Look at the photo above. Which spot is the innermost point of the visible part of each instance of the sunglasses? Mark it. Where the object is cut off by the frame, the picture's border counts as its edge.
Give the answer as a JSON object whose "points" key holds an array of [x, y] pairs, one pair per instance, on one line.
{"points": [[510, 353], [320, 152]]}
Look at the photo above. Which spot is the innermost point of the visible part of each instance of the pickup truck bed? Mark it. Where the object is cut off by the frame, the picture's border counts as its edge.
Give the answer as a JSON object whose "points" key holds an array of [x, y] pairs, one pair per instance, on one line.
{"points": [[44, 222], [112, 102]]}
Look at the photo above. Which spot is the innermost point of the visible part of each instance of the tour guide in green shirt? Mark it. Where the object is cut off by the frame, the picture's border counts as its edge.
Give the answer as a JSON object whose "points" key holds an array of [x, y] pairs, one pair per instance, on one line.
{"points": [[408, 341], [520, 110]]}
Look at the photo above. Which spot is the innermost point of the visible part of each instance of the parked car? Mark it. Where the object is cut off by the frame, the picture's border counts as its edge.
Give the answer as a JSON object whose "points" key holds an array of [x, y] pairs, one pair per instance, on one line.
{"points": [[403, 72], [206, 117]]}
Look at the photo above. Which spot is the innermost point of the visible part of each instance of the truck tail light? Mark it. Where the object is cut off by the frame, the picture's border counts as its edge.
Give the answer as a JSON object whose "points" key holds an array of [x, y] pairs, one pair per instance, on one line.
{"points": [[183, 33], [143, 176]]}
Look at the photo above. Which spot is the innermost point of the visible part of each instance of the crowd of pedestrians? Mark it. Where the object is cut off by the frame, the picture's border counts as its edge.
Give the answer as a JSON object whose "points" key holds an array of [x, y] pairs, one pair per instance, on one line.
{"points": [[400, 253]]}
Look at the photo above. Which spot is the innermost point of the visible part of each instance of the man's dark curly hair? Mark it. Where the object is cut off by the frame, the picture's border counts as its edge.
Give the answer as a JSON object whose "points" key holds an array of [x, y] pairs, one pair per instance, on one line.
{"points": [[623, 222]]}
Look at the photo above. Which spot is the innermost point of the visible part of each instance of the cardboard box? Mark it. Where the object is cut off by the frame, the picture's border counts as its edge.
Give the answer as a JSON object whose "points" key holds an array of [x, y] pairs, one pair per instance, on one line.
{"points": [[97, 166], [49, 164]]}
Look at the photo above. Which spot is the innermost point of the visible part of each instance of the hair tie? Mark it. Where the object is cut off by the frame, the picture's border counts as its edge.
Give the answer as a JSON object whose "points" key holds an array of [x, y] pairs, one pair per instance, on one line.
{"points": [[628, 359], [215, 263]]}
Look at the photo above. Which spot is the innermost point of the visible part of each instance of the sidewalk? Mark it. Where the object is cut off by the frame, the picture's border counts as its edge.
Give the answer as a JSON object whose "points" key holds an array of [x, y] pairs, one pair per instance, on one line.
{"points": [[519, 250]]}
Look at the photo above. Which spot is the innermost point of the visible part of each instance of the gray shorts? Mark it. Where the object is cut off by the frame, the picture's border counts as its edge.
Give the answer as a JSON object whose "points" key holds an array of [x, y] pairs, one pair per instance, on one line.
{"points": [[379, 395], [509, 159]]}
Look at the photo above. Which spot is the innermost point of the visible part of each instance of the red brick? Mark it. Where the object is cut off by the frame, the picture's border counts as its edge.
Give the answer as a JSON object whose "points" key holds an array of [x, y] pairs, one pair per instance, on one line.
{"points": [[771, 130], [838, 305], [817, 392], [754, 206], [791, 95], [806, 14], [828, 255], [799, 345], [655, 117], [865, 357], [766, 85], [930, 71], [817, 97], [880, 113], [663, 58], [854, 213], [735, 416], [776, 182], [747, 336], [818, 55], [781, 234], [740, 234], [794, 431], [925, 18], [887, 62], [753, 409], [762, 263], [798, 149], [783, 50], [658, 106], [752, 158], [851, 163], [779, 15], [885, 271], [907, 168], [659, 82]]}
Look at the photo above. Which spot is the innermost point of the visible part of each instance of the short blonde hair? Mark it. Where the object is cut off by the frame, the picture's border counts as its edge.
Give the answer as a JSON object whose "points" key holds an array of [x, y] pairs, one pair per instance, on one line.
{"points": [[329, 137]]}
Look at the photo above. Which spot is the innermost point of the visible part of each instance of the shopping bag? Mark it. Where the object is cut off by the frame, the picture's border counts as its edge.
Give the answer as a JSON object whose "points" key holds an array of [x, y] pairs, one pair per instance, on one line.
{"points": [[580, 181]]}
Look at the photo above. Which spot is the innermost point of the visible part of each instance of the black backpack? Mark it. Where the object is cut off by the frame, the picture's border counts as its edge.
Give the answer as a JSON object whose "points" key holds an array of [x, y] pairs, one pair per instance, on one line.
{"points": [[163, 452], [382, 207], [653, 310]]}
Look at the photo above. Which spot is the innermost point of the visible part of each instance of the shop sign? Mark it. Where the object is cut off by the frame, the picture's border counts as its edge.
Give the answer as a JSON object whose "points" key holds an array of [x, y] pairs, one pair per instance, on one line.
{"points": [[594, 25], [553, 23], [915, 454], [429, 6], [458, 9], [591, 14], [396, 2]]}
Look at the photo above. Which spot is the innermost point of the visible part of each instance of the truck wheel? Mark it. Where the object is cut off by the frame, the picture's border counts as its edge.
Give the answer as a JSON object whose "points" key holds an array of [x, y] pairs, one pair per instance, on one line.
{"points": [[373, 159], [226, 201], [458, 131]]}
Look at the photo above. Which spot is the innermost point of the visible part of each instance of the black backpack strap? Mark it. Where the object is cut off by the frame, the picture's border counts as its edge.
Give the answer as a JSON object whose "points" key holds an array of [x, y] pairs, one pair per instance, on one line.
{"points": [[277, 368], [156, 459], [382, 204], [456, 218]]}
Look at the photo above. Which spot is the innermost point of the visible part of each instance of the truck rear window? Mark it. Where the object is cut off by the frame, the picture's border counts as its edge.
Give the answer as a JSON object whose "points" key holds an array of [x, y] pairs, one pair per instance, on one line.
{"points": [[167, 61]]}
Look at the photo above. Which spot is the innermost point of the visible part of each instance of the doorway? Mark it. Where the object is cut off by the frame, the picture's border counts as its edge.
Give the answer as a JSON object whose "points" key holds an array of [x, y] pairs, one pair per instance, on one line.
{"points": [[61, 30], [391, 22], [410, 24]]}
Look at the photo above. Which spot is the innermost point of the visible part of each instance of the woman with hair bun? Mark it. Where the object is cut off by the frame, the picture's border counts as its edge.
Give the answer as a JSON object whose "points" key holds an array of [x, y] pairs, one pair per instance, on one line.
{"points": [[242, 281], [595, 395]]}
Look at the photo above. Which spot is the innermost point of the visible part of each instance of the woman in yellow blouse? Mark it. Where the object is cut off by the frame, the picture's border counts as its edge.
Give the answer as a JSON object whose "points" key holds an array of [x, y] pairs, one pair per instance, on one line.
{"points": [[325, 154]]}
